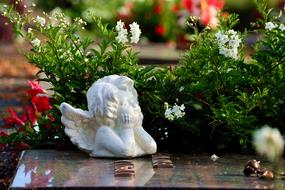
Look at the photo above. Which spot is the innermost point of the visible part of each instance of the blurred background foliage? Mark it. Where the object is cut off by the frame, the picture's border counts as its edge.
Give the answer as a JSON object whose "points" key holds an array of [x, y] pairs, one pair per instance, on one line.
{"points": [[160, 20]]}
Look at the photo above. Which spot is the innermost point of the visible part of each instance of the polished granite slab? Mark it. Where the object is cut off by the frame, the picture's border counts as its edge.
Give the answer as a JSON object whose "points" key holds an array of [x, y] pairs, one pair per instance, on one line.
{"points": [[51, 169]]}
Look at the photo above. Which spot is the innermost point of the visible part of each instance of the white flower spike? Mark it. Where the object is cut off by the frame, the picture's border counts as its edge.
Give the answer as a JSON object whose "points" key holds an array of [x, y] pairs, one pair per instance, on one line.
{"points": [[122, 32], [136, 32]]}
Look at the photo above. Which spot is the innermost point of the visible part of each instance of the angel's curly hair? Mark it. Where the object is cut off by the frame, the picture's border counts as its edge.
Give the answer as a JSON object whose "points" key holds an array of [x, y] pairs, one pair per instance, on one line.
{"points": [[102, 96]]}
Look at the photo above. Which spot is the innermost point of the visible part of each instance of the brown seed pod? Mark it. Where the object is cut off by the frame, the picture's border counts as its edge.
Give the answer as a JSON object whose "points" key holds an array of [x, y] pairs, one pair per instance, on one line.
{"points": [[251, 167], [267, 174]]}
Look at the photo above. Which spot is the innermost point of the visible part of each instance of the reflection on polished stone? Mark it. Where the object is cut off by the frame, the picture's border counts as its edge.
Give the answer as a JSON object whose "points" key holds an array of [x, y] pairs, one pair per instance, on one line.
{"points": [[72, 169]]}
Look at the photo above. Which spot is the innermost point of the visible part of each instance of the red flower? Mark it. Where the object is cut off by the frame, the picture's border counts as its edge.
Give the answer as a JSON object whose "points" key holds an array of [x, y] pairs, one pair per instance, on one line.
{"points": [[158, 9], [13, 119], [188, 5], [31, 114], [41, 103], [52, 119], [218, 4], [3, 134], [35, 88], [159, 30], [22, 146], [175, 8]]}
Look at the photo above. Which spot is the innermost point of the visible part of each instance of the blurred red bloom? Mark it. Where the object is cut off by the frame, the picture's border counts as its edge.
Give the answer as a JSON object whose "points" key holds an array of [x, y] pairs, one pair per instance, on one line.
{"points": [[193, 6], [52, 119], [13, 119], [3, 134], [41, 103], [158, 9], [159, 30], [3, 147], [188, 5], [218, 4], [206, 9], [175, 8], [35, 88], [22, 146]]}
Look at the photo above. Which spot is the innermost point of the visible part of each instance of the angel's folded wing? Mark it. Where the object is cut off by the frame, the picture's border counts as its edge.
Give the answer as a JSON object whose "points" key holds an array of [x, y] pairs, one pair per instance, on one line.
{"points": [[80, 126]]}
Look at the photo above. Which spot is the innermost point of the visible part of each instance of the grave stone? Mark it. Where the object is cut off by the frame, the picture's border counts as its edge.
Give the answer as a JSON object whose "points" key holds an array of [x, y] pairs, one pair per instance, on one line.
{"points": [[51, 169]]}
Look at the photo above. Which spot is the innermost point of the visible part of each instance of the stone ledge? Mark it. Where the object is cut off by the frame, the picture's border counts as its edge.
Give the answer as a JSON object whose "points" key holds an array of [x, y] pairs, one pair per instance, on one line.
{"points": [[50, 169]]}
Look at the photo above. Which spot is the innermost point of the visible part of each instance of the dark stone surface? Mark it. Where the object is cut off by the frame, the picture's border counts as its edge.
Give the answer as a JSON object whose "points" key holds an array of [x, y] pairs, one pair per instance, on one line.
{"points": [[44, 169], [8, 163]]}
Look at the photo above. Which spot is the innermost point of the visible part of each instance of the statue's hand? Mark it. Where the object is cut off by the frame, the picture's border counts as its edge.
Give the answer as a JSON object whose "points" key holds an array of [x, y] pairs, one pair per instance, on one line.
{"points": [[125, 116]]}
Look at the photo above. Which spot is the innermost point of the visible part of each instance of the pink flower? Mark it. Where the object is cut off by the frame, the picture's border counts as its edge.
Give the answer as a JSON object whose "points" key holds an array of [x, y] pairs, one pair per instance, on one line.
{"points": [[35, 88], [41, 103], [218, 4]]}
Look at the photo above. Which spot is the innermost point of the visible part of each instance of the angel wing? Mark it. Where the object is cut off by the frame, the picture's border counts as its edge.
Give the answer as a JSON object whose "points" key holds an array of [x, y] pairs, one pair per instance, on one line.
{"points": [[80, 126]]}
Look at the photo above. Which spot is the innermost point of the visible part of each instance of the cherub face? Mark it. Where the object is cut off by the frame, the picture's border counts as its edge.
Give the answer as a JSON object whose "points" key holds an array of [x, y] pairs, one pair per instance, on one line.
{"points": [[129, 113]]}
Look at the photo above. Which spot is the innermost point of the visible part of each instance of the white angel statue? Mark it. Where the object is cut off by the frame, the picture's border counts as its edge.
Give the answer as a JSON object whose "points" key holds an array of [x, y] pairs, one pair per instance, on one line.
{"points": [[112, 126]]}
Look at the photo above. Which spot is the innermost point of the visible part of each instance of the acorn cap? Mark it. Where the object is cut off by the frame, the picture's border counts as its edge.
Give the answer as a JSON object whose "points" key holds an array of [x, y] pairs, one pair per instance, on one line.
{"points": [[251, 167], [267, 174]]}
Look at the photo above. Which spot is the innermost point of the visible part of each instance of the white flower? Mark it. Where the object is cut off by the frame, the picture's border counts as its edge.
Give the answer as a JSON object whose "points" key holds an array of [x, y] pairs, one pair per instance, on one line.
{"points": [[36, 127], [268, 142], [40, 20], [122, 36], [181, 88], [122, 32], [175, 112], [120, 25], [282, 27], [30, 30], [232, 32], [135, 31], [36, 42], [168, 114], [270, 26], [228, 43], [214, 157]]}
